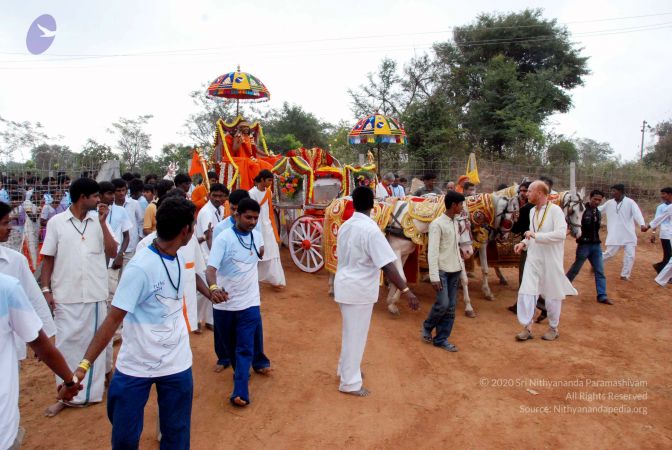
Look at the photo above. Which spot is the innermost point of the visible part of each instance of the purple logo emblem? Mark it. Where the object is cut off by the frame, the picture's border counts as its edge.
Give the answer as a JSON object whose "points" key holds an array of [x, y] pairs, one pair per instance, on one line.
{"points": [[41, 34]]}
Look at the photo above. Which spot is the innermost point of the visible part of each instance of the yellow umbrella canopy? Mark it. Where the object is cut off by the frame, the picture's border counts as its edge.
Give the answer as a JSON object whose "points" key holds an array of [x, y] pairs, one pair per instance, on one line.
{"points": [[377, 129]]}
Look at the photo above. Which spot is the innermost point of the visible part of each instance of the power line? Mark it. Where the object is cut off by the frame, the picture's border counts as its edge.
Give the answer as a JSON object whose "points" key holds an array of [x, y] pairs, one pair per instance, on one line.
{"points": [[342, 38], [360, 49]]}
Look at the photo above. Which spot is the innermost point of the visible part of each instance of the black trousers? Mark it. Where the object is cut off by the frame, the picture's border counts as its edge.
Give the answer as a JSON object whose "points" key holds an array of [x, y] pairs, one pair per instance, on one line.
{"points": [[667, 253]]}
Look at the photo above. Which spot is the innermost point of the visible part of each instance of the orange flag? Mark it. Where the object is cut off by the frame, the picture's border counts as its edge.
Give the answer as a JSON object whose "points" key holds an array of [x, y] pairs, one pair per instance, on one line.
{"points": [[196, 166]]}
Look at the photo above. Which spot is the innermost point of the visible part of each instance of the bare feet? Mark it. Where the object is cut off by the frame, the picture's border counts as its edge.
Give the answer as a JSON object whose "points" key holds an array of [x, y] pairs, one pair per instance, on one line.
{"points": [[219, 368], [54, 409], [363, 392], [238, 401]]}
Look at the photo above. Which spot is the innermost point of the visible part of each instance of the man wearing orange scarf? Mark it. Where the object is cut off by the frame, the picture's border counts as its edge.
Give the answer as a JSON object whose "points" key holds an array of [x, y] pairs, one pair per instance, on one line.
{"points": [[270, 268]]}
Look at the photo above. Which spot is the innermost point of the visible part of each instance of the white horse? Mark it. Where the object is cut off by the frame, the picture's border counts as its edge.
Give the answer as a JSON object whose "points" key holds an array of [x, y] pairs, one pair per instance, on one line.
{"points": [[490, 223], [404, 247]]}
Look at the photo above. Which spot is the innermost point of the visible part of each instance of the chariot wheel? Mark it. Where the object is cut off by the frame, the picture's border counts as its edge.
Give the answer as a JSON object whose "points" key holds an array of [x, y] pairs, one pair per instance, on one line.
{"points": [[305, 243]]}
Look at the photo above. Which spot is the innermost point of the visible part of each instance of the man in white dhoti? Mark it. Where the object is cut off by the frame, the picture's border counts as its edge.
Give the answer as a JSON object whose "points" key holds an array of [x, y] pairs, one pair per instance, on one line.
{"points": [[622, 215], [270, 268], [665, 273], [208, 217], [74, 278], [362, 252], [544, 274], [15, 264], [384, 188], [18, 318]]}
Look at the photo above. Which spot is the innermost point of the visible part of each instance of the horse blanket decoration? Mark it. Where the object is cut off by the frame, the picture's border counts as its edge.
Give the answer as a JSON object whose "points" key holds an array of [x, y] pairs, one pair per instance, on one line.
{"points": [[340, 210]]}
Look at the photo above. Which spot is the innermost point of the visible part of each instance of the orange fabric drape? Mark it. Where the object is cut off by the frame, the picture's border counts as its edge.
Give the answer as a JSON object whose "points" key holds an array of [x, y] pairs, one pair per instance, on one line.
{"points": [[196, 166], [199, 196], [268, 198]]}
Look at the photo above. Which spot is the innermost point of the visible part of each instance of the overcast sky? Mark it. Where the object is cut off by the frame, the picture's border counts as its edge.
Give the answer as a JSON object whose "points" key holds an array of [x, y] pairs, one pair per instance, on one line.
{"points": [[306, 52]]}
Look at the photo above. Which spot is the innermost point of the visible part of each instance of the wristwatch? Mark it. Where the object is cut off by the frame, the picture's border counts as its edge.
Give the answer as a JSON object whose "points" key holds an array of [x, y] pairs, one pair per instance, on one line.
{"points": [[73, 382]]}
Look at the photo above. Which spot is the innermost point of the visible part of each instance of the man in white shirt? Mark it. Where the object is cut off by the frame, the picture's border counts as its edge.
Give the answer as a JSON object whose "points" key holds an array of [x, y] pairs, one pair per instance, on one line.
{"points": [[384, 188], [193, 266], [18, 318], [14, 264], [665, 228], [665, 273], [232, 274], [134, 213], [362, 251], [155, 346], [622, 214], [76, 247], [398, 187], [544, 273], [208, 217], [223, 360], [445, 267]]}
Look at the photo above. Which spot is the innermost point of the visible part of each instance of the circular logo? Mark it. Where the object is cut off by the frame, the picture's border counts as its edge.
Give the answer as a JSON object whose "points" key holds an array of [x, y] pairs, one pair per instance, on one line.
{"points": [[380, 125], [239, 79], [41, 34]]}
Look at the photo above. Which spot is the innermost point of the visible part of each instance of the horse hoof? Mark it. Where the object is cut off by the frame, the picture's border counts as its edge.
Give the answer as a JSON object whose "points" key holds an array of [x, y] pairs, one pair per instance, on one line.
{"points": [[490, 297], [394, 311], [470, 314]]}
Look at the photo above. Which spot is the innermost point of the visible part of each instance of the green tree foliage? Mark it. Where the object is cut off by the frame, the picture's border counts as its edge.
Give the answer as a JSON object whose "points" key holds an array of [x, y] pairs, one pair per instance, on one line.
{"points": [[16, 137], [293, 120], [592, 153], [562, 152], [200, 125], [94, 154], [661, 153], [133, 142], [52, 157], [495, 84]]}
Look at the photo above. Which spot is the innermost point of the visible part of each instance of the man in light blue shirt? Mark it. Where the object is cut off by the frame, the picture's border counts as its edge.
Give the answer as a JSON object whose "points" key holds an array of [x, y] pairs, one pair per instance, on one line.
{"points": [[232, 272], [235, 198]]}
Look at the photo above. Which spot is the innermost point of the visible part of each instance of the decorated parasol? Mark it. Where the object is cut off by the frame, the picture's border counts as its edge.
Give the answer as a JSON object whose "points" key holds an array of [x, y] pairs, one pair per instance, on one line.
{"points": [[377, 129], [239, 86]]}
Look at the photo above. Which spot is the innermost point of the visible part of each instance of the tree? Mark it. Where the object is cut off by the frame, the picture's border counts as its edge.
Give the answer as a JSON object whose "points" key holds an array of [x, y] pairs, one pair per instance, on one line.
{"points": [[661, 153], [562, 152], [94, 154], [383, 93], [19, 136], [200, 126], [591, 153], [53, 157], [133, 141], [282, 143], [292, 120]]}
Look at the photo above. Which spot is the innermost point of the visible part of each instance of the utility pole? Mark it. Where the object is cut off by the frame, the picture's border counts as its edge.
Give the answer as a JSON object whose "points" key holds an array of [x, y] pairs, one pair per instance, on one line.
{"points": [[641, 148]]}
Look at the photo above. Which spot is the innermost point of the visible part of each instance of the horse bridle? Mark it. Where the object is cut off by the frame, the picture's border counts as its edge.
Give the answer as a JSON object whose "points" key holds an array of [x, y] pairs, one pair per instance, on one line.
{"points": [[568, 208]]}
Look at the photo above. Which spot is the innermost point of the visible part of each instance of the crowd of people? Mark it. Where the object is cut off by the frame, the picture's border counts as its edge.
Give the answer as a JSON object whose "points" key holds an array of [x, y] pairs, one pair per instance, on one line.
{"points": [[148, 261]]}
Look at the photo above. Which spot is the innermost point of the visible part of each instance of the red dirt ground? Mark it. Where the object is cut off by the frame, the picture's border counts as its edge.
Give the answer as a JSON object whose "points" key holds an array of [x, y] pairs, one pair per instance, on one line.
{"points": [[486, 396]]}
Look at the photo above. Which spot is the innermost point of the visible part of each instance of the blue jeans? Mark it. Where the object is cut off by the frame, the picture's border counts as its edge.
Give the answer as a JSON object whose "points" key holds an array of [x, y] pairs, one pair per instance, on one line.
{"points": [[593, 253], [220, 349], [242, 336], [126, 401], [442, 314]]}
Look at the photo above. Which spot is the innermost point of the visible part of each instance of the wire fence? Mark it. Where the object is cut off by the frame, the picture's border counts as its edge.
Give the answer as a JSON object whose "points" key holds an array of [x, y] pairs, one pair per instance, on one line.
{"points": [[642, 184]]}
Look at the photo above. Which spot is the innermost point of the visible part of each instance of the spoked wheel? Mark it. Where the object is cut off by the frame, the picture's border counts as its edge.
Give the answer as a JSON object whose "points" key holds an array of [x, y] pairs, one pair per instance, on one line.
{"points": [[305, 243]]}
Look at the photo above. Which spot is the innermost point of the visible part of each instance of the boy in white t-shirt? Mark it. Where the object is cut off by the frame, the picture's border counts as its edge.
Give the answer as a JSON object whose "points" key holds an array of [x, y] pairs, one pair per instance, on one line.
{"points": [[232, 273], [223, 360], [155, 338], [18, 316]]}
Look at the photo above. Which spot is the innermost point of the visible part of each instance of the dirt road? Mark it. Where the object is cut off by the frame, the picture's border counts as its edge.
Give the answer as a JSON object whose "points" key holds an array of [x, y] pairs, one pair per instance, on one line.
{"points": [[494, 393]]}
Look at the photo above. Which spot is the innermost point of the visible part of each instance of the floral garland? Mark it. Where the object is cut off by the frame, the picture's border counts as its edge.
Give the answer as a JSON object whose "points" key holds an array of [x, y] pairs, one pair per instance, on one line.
{"points": [[290, 184]]}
